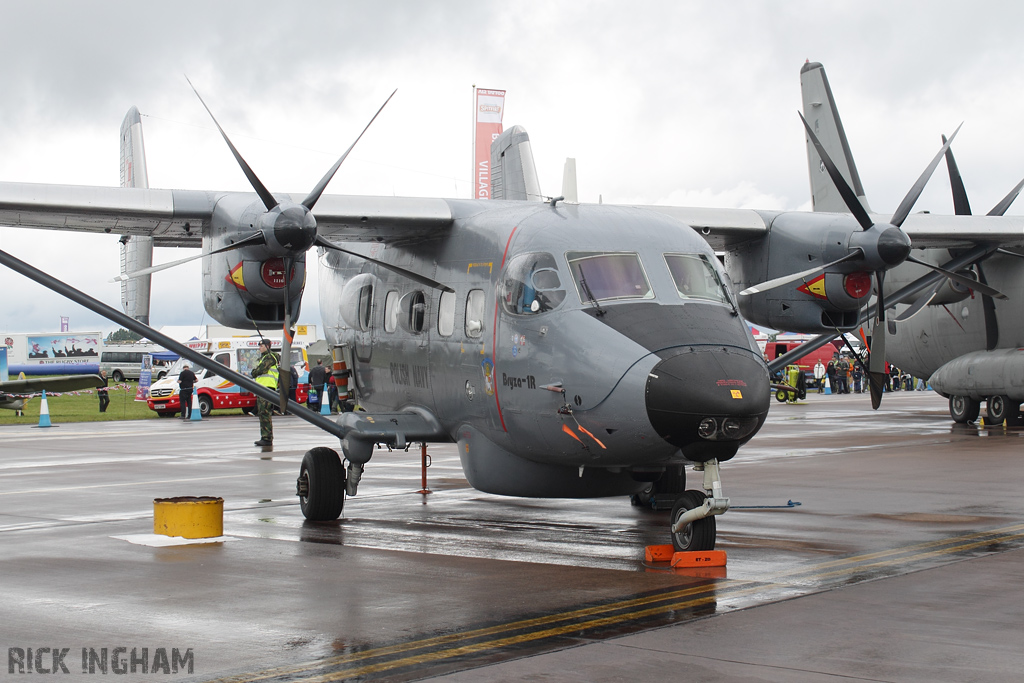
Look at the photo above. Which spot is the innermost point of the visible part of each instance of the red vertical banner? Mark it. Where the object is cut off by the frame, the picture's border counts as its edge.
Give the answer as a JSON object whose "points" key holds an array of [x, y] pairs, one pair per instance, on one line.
{"points": [[490, 105]]}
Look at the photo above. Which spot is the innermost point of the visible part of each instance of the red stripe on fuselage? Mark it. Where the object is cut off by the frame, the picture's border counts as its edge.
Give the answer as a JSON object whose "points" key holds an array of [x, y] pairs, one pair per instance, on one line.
{"points": [[494, 333]]}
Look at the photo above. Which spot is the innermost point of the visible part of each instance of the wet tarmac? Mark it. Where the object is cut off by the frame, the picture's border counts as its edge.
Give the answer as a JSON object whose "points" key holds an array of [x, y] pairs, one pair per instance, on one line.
{"points": [[862, 546]]}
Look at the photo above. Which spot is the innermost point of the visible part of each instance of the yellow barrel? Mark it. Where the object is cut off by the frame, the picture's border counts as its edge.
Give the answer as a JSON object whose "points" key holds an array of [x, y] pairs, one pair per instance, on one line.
{"points": [[189, 516]]}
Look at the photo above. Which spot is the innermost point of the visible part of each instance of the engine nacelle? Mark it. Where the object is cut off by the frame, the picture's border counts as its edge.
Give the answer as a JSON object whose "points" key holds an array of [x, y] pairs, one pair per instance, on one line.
{"points": [[245, 288], [794, 243]]}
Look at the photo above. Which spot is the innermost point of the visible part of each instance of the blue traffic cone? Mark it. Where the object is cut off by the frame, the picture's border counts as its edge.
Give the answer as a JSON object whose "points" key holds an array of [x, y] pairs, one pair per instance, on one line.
{"points": [[195, 414], [828, 388], [325, 402], [44, 412]]}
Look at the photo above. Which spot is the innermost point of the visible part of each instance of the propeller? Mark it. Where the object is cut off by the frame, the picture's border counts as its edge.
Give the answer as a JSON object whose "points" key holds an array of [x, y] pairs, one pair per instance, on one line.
{"points": [[288, 228]]}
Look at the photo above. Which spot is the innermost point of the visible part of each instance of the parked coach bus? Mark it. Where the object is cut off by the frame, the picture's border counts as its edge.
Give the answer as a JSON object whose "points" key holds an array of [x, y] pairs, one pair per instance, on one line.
{"points": [[216, 393], [124, 361]]}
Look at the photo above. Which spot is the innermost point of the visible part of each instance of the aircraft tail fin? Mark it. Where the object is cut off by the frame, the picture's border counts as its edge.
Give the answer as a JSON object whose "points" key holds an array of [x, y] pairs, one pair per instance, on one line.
{"points": [[821, 113], [513, 171], [136, 251]]}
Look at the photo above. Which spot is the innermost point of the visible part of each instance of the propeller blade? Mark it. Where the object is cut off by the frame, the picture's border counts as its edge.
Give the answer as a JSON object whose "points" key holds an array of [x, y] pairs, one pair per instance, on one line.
{"points": [[880, 303], [261, 190], [920, 303], [845, 191], [961, 206], [1000, 208], [253, 239], [786, 279], [908, 202], [154, 269], [284, 382], [991, 322], [415, 277], [977, 286], [876, 365], [314, 195]]}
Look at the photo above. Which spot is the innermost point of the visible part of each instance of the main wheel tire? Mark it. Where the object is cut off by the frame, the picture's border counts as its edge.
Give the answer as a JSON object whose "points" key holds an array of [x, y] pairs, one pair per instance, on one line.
{"points": [[205, 405], [321, 485], [998, 408], [697, 535], [118, 376], [963, 409]]}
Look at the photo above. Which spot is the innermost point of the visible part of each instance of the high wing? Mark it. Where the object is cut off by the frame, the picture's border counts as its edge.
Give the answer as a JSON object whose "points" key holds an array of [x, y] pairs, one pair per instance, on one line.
{"points": [[181, 217]]}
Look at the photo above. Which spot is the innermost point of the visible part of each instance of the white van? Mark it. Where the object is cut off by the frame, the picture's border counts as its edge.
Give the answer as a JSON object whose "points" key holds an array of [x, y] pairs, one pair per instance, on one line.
{"points": [[214, 392], [124, 361]]}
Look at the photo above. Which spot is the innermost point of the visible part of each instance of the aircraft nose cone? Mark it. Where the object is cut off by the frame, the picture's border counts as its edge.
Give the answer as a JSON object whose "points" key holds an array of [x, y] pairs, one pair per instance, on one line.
{"points": [[708, 402]]}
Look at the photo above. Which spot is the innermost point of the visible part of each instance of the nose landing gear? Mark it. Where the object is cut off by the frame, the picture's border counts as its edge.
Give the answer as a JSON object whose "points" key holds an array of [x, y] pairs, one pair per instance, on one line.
{"points": [[693, 516]]}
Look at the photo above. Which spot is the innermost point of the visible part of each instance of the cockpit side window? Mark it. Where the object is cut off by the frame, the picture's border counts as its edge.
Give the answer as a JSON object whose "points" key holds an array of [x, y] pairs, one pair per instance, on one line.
{"points": [[603, 276], [696, 278], [531, 285]]}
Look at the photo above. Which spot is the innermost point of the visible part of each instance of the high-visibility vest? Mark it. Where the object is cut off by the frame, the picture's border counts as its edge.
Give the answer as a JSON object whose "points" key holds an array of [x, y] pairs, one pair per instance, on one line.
{"points": [[269, 380]]}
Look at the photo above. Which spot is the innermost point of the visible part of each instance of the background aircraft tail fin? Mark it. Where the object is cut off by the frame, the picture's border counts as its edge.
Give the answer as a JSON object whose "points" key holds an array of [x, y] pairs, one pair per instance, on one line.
{"points": [[513, 171], [136, 251], [823, 116]]}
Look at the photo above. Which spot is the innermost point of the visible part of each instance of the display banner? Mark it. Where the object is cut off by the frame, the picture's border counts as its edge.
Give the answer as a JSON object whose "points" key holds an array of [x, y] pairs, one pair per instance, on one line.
{"points": [[490, 105]]}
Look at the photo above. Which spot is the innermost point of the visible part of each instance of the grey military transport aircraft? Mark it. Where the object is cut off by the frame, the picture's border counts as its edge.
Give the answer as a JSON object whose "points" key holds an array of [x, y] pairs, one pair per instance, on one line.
{"points": [[966, 339], [570, 350]]}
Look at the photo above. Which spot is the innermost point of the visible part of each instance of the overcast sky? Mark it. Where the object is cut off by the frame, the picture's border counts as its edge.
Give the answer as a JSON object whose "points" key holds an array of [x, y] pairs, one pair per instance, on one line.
{"points": [[660, 102]]}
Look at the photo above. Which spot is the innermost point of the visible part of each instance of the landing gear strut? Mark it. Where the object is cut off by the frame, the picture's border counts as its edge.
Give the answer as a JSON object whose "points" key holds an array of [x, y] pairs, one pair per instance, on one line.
{"points": [[693, 516]]}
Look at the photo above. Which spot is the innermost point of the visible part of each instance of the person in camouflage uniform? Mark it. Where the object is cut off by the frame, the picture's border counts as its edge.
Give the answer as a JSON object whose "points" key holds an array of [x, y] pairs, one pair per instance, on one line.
{"points": [[266, 374]]}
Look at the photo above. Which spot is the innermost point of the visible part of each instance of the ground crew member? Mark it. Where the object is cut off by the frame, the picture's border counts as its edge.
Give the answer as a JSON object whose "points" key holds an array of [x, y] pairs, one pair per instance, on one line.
{"points": [[793, 373], [266, 373]]}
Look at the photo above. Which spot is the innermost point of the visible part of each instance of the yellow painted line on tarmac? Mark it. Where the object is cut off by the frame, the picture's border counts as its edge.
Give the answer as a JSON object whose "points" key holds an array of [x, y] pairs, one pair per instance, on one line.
{"points": [[540, 628]]}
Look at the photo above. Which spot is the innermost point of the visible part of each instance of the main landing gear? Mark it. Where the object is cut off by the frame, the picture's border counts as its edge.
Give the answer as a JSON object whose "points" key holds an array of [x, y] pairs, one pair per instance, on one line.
{"points": [[693, 516], [321, 485]]}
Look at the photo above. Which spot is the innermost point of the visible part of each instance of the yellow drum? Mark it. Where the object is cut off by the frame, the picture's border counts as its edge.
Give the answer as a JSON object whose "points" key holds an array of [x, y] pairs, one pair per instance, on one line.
{"points": [[189, 516]]}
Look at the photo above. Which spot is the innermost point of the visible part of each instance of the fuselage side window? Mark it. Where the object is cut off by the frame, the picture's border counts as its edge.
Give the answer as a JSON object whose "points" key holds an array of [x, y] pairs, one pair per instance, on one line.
{"points": [[365, 306], [604, 276], [531, 285], [446, 314], [696, 278], [475, 313], [391, 311], [413, 312]]}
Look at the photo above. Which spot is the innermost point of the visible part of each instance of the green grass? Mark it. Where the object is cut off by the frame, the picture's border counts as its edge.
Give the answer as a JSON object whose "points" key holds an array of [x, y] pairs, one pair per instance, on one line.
{"points": [[85, 407]]}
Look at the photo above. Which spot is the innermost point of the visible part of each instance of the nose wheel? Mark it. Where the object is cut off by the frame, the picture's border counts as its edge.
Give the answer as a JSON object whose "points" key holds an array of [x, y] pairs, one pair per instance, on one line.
{"points": [[699, 534]]}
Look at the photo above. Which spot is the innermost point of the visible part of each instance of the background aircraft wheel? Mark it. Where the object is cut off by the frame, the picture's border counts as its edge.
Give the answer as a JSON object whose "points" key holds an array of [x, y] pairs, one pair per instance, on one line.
{"points": [[118, 376], [643, 499], [205, 405], [963, 409], [699, 535], [664, 491], [998, 408], [321, 485]]}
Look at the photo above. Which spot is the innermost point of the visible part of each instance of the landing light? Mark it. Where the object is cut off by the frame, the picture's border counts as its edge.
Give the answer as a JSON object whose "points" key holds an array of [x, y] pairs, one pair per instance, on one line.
{"points": [[708, 427]]}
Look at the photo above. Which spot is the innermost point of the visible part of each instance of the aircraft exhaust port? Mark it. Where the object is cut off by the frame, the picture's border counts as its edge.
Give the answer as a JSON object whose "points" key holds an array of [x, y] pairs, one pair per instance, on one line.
{"points": [[189, 516]]}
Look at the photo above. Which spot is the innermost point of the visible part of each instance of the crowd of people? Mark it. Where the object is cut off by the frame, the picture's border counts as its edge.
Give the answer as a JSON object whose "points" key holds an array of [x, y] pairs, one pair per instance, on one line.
{"points": [[846, 375]]}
